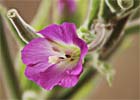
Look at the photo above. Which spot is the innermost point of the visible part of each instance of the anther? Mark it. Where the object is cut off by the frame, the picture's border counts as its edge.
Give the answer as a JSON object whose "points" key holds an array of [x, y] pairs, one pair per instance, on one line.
{"points": [[68, 56], [61, 58]]}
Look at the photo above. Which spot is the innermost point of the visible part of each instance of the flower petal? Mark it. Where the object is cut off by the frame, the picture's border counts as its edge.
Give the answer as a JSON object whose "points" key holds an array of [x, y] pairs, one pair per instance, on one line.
{"points": [[84, 49], [37, 51], [35, 56], [53, 76], [68, 80], [82, 45], [47, 79], [69, 5], [60, 33], [76, 70]]}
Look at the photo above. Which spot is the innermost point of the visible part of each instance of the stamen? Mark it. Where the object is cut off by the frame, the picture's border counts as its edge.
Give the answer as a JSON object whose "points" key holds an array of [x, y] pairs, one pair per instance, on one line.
{"points": [[68, 56], [71, 59], [61, 58]]}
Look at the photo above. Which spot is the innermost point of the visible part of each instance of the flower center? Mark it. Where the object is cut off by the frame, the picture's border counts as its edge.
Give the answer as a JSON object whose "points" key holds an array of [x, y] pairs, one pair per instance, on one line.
{"points": [[53, 59], [56, 59], [65, 54]]}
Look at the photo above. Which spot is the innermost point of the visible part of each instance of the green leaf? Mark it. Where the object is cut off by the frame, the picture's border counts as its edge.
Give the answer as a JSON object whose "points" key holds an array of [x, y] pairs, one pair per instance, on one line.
{"points": [[7, 63], [92, 13]]}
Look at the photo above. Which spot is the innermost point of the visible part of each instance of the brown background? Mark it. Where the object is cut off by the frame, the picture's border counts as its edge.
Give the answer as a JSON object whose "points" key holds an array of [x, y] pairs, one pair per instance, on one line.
{"points": [[126, 82]]}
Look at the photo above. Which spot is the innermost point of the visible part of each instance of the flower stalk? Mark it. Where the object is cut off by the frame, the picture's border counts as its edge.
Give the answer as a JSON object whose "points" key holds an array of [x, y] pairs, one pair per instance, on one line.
{"points": [[115, 37], [92, 13]]}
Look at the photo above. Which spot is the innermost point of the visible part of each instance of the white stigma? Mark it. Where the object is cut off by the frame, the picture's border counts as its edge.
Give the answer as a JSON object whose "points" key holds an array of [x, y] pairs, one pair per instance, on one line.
{"points": [[53, 59]]}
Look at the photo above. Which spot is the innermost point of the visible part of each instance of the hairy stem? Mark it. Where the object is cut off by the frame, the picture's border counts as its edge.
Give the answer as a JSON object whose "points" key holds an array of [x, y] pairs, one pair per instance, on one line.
{"points": [[115, 37], [101, 10], [92, 13]]}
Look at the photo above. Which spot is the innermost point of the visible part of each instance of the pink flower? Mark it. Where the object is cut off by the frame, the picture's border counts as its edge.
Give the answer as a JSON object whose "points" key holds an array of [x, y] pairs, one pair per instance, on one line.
{"points": [[68, 5], [55, 59]]}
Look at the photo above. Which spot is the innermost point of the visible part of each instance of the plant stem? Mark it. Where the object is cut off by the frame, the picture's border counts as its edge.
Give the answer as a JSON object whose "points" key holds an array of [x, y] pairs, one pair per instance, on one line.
{"points": [[133, 29], [8, 66], [92, 14], [113, 40], [101, 10]]}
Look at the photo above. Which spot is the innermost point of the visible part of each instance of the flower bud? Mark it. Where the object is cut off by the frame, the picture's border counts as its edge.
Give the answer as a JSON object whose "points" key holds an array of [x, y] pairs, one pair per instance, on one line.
{"points": [[120, 6], [125, 4], [25, 31], [67, 5]]}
